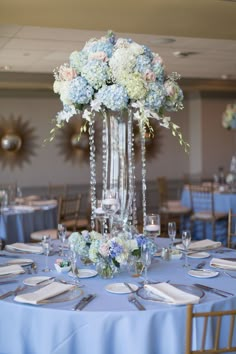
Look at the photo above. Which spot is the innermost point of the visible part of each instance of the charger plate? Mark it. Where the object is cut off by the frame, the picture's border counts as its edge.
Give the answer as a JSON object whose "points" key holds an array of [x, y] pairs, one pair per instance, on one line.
{"points": [[147, 295]]}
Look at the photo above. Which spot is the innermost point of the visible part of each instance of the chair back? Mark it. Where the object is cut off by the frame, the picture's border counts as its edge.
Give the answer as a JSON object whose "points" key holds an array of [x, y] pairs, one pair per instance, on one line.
{"points": [[202, 198], [210, 332], [56, 190], [68, 210], [231, 235]]}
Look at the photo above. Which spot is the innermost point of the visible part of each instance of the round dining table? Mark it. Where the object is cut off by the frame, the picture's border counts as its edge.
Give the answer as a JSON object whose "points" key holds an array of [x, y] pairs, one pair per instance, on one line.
{"points": [[17, 222], [109, 324]]}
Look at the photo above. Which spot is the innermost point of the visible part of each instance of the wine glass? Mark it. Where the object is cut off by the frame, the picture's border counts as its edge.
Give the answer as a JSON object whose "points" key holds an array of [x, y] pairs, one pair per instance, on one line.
{"points": [[186, 240], [172, 232], [73, 261], [61, 229], [152, 226], [146, 258], [46, 244]]}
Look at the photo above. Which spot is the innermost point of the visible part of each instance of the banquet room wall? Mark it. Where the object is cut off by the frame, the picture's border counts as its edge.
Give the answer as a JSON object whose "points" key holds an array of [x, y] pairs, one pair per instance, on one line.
{"points": [[49, 165]]}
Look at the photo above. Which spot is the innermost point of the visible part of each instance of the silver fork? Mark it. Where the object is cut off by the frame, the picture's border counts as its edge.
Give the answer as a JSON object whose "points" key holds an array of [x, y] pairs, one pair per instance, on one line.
{"points": [[132, 298]]}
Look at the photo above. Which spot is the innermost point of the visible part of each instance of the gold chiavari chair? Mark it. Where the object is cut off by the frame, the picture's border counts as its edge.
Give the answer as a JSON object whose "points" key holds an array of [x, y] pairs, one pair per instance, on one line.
{"points": [[214, 331]]}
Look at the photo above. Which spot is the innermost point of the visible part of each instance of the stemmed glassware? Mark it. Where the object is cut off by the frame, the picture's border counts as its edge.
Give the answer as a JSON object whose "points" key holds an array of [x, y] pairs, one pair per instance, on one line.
{"points": [[146, 258], [46, 244], [172, 232], [186, 240], [61, 229], [73, 260], [100, 216]]}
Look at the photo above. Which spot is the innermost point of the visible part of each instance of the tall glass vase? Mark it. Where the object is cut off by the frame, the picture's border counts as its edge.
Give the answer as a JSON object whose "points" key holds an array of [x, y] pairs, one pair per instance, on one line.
{"points": [[118, 161]]}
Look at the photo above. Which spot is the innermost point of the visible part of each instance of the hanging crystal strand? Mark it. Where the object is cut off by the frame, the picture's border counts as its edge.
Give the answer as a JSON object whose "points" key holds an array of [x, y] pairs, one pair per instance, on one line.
{"points": [[131, 168], [92, 160], [143, 159], [105, 152]]}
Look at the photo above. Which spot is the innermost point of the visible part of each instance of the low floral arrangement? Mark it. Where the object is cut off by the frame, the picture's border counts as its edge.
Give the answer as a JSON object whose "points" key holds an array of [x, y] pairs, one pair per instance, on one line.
{"points": [[62, 263], [112, 252], [117, 74], [229, 117]]}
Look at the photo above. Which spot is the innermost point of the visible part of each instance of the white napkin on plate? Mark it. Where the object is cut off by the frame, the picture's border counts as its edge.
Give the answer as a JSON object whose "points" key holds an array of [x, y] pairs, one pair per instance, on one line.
{"points": [[23, 208], [44, 293], [203, 245], [222, 263], [171, 294], [24, 248], [11, 269]]}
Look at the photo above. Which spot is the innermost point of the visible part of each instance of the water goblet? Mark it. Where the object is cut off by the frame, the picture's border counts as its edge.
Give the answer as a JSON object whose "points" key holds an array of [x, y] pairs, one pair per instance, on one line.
{"points": [[146, 258], [186, 240], [73, 261], [100, 216], [46, 244], [172, 232], [152, 225], [61, 230]]}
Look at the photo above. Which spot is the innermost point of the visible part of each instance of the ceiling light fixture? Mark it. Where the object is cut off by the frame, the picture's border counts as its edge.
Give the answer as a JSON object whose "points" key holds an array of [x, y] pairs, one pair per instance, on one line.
{"points": [[179, 54]]}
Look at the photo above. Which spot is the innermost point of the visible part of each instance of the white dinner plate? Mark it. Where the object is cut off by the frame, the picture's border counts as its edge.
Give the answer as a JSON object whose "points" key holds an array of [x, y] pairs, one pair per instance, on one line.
{"points": [[120, 288], [85, 273], [199, 255], [21, 261], [34, 280], [203, 273]]}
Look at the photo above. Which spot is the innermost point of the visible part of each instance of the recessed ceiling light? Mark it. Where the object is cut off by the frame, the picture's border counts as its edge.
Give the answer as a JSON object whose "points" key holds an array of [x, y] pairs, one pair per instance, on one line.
{"points": [[162, 40]]}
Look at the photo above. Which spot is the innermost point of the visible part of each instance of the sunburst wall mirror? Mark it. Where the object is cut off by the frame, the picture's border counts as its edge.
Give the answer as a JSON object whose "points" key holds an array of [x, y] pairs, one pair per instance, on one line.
{"points": [[17, 142]]}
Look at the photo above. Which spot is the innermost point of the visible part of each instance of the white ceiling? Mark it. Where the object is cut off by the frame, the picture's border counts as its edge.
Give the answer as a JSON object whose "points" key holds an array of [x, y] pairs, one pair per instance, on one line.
{"points": [[204, 28]]}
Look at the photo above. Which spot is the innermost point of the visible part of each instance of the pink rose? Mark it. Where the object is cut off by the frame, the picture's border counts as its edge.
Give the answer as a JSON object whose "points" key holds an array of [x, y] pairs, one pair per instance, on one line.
{"points": [[149, 75], [99, 56], [67, 74], [170, 88], [104, 250]]}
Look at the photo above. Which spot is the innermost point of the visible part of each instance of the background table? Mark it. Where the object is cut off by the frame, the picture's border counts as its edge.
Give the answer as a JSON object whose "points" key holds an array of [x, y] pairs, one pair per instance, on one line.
{"points": [[109, 324], [16, 225], [222, 202]]}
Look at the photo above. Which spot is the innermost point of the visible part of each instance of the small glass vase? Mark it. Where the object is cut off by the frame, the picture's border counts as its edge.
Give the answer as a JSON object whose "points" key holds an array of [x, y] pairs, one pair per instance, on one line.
{"points": [[106, 269]]}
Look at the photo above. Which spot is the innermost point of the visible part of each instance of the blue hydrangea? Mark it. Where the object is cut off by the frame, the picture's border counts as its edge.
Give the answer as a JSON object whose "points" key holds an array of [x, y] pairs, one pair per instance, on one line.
{"points": [[116, 249], [80, 92], [158, 69], [78, 60], [106, 47], [114, 97], [155, 97], [147, 52], [96, 72], [143, 63]]}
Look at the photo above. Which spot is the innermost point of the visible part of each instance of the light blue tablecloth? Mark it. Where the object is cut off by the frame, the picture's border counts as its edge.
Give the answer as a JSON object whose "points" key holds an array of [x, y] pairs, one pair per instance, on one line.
{"points": [[17, 225], [109, 324], [222, 202]]}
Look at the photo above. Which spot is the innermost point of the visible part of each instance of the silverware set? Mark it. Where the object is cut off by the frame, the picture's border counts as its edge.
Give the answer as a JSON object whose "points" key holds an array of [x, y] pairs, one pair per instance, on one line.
{"points": [[84, 302], [132, 298], [13, 292], [219, 292]]}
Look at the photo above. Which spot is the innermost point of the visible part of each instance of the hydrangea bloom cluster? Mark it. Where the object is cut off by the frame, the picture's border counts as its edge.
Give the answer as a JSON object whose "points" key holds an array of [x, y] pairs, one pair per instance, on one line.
{"points": [[116, 74], [229, 117], [116, 249]]}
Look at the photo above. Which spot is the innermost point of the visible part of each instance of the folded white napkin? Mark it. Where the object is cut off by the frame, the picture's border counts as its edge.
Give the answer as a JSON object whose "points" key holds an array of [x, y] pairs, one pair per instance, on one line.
{"points": [[24, 248], [44, 293], [171, 294], [203, 244], [11, 269], [222, 263]]}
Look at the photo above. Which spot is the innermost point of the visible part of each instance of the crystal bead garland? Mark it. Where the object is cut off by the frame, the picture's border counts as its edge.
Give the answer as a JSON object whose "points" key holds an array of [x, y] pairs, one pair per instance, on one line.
{"points": [[92, 150], [143, 160], [131, 162]]}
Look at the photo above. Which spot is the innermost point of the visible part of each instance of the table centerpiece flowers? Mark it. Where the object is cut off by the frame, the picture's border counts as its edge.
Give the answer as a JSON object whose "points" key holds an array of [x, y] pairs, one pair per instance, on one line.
{"points": [[109, 254], [229, 117], [120, 83]]}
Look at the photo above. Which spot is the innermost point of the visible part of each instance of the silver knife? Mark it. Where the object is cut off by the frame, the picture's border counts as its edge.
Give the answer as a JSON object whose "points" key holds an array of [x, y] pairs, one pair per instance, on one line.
{"points": [[213, 290], [134, 300], [84, 301], [44, 280]]}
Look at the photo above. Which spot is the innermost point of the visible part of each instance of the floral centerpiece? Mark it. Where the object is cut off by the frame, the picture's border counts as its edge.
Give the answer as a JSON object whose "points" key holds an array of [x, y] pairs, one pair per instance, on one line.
{"points": [[108, 79], [229, 117], [109, 254]]}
